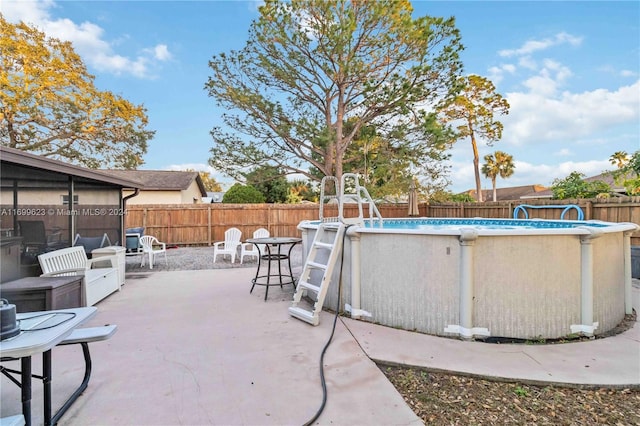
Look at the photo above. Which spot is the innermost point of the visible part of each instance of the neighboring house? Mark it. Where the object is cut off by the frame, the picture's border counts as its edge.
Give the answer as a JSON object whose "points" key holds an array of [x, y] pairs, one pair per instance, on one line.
{"points": [[213, 197], [163, 186], [529, 192], [510, 193]]}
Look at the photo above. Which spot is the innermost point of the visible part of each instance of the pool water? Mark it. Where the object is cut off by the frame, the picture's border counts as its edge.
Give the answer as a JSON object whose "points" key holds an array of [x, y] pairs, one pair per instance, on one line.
{"points": [[483, 224]]}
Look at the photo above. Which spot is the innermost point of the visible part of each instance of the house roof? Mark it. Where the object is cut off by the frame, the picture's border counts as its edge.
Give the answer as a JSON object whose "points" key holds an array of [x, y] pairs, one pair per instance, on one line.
{"points": [[510, 193], [162, 180], [539, 191], [26, 159]]}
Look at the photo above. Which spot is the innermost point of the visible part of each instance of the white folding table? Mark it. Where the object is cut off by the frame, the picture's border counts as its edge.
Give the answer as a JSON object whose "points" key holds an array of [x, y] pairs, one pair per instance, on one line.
{"points": [[40, 333]]}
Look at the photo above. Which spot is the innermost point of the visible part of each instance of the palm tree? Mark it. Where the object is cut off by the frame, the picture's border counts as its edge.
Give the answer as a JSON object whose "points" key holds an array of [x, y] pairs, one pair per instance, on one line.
{"points": [[474, 109], [619, 158], [497, 164]]}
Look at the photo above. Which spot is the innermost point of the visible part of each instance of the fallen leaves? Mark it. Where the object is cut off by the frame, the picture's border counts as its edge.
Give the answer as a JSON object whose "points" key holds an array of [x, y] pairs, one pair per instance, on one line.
{"points": [[448, 399]]}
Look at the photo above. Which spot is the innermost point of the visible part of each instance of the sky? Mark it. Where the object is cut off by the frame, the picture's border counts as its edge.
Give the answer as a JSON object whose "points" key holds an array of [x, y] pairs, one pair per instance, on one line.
{"points": [[569, 70]]}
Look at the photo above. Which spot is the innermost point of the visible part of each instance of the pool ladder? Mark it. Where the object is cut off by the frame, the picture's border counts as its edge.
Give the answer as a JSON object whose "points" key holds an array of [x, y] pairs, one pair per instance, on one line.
{"points": [[323, 254], [320, 263]]}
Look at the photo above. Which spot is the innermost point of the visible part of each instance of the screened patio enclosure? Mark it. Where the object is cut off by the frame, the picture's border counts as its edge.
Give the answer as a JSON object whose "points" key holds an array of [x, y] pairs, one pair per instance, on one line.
{"points": [[47, 204]]}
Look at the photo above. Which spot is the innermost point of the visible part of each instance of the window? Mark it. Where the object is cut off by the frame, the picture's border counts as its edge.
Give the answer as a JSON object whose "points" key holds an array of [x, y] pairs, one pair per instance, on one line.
{"points": [[65, 200]]}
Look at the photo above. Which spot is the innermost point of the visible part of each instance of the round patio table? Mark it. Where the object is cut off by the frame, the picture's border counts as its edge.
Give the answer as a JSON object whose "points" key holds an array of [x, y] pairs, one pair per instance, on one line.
{"points": [[274, 255]]}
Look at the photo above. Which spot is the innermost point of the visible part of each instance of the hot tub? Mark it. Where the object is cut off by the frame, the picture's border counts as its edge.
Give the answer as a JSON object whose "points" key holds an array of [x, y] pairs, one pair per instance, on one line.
{"points": [[480, 278]]}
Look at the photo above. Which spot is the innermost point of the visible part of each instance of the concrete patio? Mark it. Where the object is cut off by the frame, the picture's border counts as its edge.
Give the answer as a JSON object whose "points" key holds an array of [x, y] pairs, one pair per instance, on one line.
{"points": [[195, 348]]}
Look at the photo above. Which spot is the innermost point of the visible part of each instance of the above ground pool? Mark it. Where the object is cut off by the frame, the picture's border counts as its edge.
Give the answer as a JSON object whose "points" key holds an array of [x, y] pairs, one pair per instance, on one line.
{"points": [[480, 278]]}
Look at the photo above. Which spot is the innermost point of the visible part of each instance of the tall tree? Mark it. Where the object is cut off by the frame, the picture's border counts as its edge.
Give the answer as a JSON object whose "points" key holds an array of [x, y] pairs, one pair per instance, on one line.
{"points": [[271, 182], [50, 106], [619, 159], [474, 109], [309, 66], [388, 164], [497, 164], [243, 194]]}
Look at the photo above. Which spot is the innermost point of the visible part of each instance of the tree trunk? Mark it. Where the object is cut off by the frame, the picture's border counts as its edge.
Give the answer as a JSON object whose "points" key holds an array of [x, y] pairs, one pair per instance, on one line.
{"points": [[493, 183], [339, 139], [476, 166]]}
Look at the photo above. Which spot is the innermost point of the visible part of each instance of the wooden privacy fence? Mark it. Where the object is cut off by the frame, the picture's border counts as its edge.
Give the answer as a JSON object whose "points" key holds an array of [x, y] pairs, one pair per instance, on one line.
{"points": [[204, 224]]}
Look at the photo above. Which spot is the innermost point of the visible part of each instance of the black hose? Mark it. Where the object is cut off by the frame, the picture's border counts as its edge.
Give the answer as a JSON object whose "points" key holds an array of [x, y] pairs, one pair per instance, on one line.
{"points": [[326, 346]]}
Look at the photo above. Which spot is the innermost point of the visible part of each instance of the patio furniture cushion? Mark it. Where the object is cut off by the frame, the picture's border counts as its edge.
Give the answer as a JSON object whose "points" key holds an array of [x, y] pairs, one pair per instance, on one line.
{"points": [[91, 243]]}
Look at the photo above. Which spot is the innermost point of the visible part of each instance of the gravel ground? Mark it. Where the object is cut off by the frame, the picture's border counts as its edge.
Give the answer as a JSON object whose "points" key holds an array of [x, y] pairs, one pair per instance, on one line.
{"points": [[197, 258]]}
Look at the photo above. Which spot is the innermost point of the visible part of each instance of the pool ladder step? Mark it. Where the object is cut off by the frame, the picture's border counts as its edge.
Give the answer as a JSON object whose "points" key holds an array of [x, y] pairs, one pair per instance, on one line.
{"points": [[307, 286], [317, 265], [320, 249]]}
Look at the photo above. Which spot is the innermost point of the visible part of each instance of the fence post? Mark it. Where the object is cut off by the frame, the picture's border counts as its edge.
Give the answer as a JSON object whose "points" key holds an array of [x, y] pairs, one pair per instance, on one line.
{"points": [[588, 214], [209, 225]]}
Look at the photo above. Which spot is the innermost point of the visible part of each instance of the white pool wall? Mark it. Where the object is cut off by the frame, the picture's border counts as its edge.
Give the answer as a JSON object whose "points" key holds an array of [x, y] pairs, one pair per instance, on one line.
{"points": [[527, 284]]}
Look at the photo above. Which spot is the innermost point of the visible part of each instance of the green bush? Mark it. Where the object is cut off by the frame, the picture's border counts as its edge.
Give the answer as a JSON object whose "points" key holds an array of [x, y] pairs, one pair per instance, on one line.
{"points": [[574, 186], [448, 197], [243, 194]]}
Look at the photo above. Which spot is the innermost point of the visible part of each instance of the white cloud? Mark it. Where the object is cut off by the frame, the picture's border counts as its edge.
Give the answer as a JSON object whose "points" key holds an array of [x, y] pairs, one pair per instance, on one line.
{"points": [[548, 123], [527, 62], [537, 117], [29, 12], [532, 46], [89, 39], [496, 73], [541, 85], [510, 68], [159, 52], [527, 173], [564, 152], [549, 77], [545, 174], [559, 71], [162, 52]]}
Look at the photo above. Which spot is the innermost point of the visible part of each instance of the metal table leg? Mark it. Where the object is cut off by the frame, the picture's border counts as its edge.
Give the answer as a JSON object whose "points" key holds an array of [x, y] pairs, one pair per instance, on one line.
{"points": [[25, 380]]}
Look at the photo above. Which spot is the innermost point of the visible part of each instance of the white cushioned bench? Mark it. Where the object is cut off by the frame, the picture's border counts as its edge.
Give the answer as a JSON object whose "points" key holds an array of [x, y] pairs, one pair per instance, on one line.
{"points": [[97, 283]]}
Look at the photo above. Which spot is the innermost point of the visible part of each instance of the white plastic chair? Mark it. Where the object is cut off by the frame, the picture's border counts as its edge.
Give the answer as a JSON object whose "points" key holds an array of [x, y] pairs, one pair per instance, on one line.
{"points": [[152, 247], [229, 246], [248, 249]]}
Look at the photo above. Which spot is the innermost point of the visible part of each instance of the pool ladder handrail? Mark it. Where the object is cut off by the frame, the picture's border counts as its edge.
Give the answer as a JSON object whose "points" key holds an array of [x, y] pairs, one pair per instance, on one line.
{"points": [[568, 207], [318, 271], [359, 195]]}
